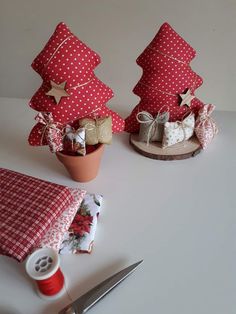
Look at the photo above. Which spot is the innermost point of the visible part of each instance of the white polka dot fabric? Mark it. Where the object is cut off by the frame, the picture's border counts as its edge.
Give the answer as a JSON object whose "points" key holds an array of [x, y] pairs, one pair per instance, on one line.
{"points": [[166, 74], [179, 131], [66, 58]]}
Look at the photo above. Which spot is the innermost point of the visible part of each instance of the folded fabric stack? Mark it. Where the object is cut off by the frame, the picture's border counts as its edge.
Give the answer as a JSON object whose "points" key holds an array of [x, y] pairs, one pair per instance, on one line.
{"points": [[35, 213], [80, 236]]}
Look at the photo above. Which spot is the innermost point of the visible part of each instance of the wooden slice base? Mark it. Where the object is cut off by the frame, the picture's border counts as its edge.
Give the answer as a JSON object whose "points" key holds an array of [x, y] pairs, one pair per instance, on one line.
{"points": [[154, 150]]}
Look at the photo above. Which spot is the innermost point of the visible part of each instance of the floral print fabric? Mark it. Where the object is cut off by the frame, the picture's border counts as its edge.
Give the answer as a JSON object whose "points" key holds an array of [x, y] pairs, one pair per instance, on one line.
{"points": [[81, 234]]}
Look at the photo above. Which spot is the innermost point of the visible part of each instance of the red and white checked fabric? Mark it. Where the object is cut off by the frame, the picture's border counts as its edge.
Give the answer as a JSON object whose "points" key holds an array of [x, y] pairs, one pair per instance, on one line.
{"points": [[28, 207], [166, 75], [65, 58], [54, 236]]}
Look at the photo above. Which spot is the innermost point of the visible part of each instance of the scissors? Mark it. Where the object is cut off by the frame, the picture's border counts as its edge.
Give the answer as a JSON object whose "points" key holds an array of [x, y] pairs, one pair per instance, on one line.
{"points": [[90, 298]]}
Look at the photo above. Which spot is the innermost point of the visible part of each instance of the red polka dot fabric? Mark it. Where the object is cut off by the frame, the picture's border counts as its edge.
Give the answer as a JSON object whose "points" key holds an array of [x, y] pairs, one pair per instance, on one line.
{"points": [[166, 75], [66, 58]]}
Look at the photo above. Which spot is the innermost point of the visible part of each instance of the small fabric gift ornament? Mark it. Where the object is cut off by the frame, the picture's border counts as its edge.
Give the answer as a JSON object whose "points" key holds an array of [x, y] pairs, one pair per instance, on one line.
{"points": [[50, 131], [98, 130], [205, 128], [74, 141], [175, 132], [151, 129]]}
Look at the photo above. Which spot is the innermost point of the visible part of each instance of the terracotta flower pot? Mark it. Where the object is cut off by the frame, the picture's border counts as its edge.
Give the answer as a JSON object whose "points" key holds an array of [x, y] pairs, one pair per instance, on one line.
{"points": [[82, 168]]}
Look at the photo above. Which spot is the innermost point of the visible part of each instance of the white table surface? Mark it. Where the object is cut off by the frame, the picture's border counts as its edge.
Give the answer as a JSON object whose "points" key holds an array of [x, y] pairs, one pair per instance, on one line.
{"points": [[179, 216]]}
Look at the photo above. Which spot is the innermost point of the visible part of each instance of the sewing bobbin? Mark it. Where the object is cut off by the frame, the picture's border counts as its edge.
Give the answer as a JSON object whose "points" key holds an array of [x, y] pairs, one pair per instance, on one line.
{"points": [[43, 265]]}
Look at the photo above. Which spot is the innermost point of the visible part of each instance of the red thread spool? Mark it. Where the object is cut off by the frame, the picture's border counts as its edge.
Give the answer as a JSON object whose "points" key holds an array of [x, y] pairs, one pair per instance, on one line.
{"points": [[43, 267]]}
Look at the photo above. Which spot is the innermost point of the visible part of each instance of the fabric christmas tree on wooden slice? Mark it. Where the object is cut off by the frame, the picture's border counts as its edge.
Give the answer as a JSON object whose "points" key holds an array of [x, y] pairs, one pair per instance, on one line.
{"points": [[167, 78], [70, 90]]}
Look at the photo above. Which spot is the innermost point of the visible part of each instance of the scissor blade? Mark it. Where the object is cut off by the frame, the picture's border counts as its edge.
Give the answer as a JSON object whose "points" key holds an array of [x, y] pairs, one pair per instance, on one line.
{"points": [[86, 301]]}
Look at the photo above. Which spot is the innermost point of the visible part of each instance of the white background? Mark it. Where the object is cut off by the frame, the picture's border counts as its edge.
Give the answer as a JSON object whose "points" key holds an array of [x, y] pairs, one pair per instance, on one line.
{"points": [[119, 31], [179, 216]]}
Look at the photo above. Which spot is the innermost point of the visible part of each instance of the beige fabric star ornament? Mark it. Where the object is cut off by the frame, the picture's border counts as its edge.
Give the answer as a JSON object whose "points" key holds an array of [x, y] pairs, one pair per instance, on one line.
{"points": [[186, 98], [57, 91]]}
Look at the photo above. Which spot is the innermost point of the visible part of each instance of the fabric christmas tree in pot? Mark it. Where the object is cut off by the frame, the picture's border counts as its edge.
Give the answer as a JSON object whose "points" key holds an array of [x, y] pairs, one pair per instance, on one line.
{"points": [[167, 79], [70, 90]]}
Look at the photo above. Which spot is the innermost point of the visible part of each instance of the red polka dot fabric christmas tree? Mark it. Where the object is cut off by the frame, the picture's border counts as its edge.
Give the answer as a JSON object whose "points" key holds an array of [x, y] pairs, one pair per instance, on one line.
{"points": [[167, 80], [70, 90]]}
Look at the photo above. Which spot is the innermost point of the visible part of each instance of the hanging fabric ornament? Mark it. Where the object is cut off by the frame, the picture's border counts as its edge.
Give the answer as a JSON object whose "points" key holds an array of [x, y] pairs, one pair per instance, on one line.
{"points": [[74, 141], [151, 129], [50, 131], [97, 130], [205, 128], [175, 132]]}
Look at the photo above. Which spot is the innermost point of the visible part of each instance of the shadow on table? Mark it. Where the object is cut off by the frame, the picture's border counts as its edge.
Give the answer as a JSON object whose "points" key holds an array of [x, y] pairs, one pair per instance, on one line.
{"points": [[9, 310], [123, 138], [87, 284], [15, 271], [97, 277]]}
